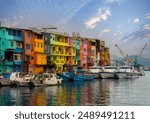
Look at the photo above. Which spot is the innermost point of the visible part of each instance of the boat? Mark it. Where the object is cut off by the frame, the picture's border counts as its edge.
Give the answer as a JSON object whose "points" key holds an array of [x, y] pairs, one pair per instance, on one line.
{"points": [[67, 76], [126, 72], [108, 72], [29, 76], [95, 70], [51, 79], [5, 82], [81, 75], [18, 80]]}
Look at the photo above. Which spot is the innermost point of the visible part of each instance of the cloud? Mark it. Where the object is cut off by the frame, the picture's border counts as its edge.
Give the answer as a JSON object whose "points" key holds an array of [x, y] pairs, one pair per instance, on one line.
{"points": [[102, 15], [147, 26], [114, 1], [52, 13], [117, 33], [105, 30], [136, 20], [147, 16]]}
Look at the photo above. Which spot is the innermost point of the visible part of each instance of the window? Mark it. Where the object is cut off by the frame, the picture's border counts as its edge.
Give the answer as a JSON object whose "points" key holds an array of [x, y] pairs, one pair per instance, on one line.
{"points": [[39, 36], [19, 45], [84, 49], [9, 32], [58, 38], [28, 58], [27, 46], [2, 43], [41, 45], [38, 45], [29, 35], [46, 38], [14, 33], [19, 33], [16, 57], [46, 48], [11, 43]]}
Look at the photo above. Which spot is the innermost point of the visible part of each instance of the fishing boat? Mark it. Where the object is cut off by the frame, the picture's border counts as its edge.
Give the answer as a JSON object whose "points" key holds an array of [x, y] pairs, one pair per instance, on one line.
{"points": [[67, 76], [81, 75], [51, 79], [108, 72]]}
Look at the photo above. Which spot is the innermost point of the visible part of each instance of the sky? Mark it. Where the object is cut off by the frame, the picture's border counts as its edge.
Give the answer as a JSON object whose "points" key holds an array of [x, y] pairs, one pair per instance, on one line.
{"points": [[122, 22]]}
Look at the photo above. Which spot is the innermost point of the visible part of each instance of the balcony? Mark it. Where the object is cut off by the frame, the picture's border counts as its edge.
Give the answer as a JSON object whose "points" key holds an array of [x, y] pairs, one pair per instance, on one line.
{"points": [[17, 38], [18, 50], [17, 62], [9, 63]]}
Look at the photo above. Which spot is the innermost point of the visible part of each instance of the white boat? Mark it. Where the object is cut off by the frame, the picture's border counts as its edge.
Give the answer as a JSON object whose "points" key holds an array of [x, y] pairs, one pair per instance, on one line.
{"points": [[17, 79], [51, 79], [108, 72], [95, 70], [126, 72], [4, 82], [29, 76]]}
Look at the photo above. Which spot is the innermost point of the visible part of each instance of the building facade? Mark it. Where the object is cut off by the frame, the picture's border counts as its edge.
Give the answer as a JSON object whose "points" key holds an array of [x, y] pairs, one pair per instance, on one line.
{"points": [[11, 50], [31, 50], [35, 58]]}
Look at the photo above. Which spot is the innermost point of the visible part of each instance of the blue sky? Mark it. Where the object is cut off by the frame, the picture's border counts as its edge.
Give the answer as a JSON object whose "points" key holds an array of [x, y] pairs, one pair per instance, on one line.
{"points": [[125, 22]]}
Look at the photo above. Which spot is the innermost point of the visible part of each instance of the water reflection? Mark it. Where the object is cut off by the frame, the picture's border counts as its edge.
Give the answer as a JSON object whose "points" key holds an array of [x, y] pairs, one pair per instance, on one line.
{"points": [[98, 92], [69, 94]]}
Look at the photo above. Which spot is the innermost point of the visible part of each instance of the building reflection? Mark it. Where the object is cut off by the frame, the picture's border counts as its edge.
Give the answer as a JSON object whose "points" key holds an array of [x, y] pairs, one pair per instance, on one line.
{"points": [[68, 94], [39, 98]]}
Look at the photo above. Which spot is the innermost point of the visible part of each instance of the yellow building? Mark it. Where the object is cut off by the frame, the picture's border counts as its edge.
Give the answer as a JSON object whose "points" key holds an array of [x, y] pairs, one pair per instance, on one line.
{"points": [[58, 50]]}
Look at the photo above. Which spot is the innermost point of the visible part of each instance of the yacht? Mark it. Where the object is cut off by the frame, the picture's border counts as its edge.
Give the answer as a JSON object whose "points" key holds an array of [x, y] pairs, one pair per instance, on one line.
{"points": [[126, 72], [108, 72], [95, 70]]}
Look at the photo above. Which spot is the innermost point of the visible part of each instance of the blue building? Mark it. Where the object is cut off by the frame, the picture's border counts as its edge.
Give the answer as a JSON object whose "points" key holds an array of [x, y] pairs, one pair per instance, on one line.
{"points": [[11, 50]]}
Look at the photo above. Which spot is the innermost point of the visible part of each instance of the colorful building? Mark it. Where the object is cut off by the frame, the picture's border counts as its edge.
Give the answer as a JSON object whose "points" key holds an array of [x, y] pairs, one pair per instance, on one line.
{"points": [[59, 50], [102, 51], [106, 56], [71, 49], [33, 50], [11, 50], [77, 41], [93, 52], [35, 58]]}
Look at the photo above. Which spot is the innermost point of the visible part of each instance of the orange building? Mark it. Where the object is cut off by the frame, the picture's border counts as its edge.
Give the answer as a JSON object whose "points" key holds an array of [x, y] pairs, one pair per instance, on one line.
{"points": [[34, 57]]}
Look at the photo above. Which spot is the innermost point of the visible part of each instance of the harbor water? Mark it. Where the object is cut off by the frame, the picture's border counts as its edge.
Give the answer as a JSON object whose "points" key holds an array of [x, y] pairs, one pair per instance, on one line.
{"points": [[105, 92]]}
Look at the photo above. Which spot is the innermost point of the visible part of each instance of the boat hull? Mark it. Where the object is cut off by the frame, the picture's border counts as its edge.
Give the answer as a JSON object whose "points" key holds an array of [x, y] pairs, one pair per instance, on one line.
{"points": [[66, 76], [107, 75], [4, 82], [121, 75]]}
